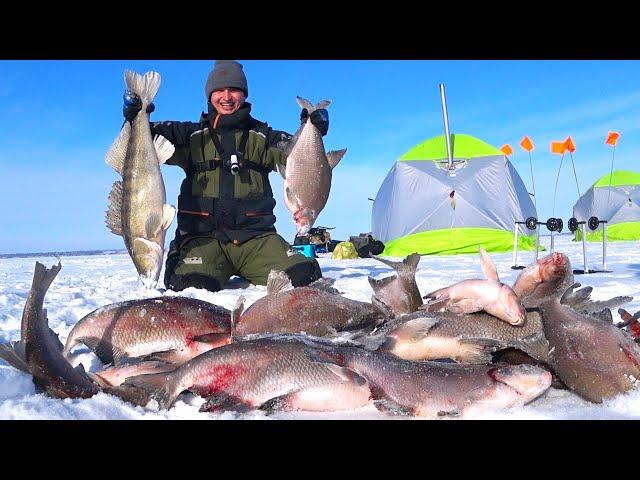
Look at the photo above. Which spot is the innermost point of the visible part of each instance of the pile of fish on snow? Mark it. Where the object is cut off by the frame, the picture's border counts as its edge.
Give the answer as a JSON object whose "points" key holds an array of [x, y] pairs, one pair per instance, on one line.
{"points": [[476, 345]]}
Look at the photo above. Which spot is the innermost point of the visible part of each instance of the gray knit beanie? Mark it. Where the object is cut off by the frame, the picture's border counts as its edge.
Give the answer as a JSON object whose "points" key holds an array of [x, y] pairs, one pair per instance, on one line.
{"points": [[226, 73]]}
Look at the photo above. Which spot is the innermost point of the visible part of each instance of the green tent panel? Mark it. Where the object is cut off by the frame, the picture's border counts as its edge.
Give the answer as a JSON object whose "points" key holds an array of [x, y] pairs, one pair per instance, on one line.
{"points": [[619, 178], [628, 231], [462, 146], [453, 241]]}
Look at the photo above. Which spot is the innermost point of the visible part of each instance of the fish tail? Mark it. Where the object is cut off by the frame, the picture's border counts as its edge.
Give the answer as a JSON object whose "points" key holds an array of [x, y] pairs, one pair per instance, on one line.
{"points": [[145, 86], [13, 354], [164, 388], [405, 268]]}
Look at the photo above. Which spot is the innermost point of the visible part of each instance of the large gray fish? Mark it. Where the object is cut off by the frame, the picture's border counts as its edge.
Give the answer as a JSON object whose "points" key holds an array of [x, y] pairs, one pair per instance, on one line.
{"points": [[400, 292], [308, 172], [267, 373], [172, 329], [437, 389], [39, 351], [311, 310], [137, 209], [469, 296], [470, 338], [593, 358]]}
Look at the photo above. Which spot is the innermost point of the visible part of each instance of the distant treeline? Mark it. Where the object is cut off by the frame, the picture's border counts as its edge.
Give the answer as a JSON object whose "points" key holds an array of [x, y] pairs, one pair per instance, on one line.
{"points": [[63, 254]]}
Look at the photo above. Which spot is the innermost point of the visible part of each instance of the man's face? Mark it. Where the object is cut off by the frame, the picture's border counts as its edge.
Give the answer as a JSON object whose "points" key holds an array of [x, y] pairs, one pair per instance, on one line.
{"points": [[227, 100]]}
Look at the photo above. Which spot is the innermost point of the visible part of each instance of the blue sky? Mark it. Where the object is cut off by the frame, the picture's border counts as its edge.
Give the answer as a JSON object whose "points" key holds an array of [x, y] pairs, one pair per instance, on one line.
{"points": [[58, 119]]}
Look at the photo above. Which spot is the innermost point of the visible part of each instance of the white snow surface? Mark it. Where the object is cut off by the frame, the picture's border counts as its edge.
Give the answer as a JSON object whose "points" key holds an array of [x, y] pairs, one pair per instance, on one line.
{"points": [[88, 282]]}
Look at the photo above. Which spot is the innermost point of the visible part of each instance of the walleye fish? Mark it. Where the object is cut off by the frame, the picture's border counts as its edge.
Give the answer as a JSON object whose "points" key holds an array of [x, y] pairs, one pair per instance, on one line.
{"points": [[39, 351], [309, 309], [471, 296], [268, 373], [437, 389], [595, 359], [308, 171], [400, 292], [171, 329], [470, 338], [137, 209]]}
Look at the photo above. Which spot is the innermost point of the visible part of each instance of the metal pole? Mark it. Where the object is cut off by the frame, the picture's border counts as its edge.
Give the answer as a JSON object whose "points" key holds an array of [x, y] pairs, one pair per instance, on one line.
{"points": [[584, 248], [604, 246], [551, 242], [445, 118], [537, 243], [515, 244]]}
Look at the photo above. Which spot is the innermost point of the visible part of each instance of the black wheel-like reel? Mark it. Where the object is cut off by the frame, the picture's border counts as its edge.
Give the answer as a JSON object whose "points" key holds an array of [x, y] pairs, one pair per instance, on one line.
{"points": [[554, 224], [573, 224], [531, 223], [593, 223]]}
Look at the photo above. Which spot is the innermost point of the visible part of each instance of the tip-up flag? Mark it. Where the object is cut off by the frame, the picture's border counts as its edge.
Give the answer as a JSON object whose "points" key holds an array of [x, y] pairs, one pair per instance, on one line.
{"points": [[558, 147], [506, 149], [526, 143], [570, 145], [612, 138]]}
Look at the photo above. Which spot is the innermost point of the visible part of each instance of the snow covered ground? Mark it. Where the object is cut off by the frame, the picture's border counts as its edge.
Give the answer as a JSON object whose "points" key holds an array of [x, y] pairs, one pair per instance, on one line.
{"points": [[88, 282]]}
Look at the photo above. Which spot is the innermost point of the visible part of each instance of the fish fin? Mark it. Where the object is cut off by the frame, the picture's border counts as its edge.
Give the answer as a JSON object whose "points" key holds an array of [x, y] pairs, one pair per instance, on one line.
{"points": [[98, 380], [164, 149], [146, 86], [291, 199], [236, 314], [378, 285], [161, 387], [118, 151], [466, 305], [318, 354], [281, 403], [278, 281], [478, 350], [334, 157], [604, 315], [345, 374], [215, 338], [369, 342], [225, 402], [103, 350], [450, 413], [164, 356], [113, 217], [322, 104], [304, 103], [382, 307], [282, 170], [153, 225], [536, 346], [419, 327], [591, 306], [13, 354], [488, 266], [168, 213], [440, 294], [143, 246], [389, 406], [325, 284]]}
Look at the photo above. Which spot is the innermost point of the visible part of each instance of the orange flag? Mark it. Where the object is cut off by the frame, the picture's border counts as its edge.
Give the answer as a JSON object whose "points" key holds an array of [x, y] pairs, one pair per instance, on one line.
{"points": [[526, 143], [612, 138], [506, 149], [558, 147], [570, 145]]}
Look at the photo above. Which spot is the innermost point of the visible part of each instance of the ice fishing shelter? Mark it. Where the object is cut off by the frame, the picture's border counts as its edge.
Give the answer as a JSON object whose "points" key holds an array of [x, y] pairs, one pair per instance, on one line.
{"points": [[423, 208], [619, 205]]}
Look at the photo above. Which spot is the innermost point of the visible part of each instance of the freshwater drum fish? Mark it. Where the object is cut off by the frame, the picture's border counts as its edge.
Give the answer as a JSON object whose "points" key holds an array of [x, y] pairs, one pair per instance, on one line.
{"points": [[474, 295], [437, 389], [308, 171], [470, 338], [268, 373], [137, 209], [400, 292], [311, 309], [595, 359], [172, 329], [39, 351]]}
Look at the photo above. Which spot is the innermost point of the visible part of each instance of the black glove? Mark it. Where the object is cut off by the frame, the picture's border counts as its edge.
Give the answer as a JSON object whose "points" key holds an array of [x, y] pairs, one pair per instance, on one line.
{"points": [[132, 105], [320, 118]]}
